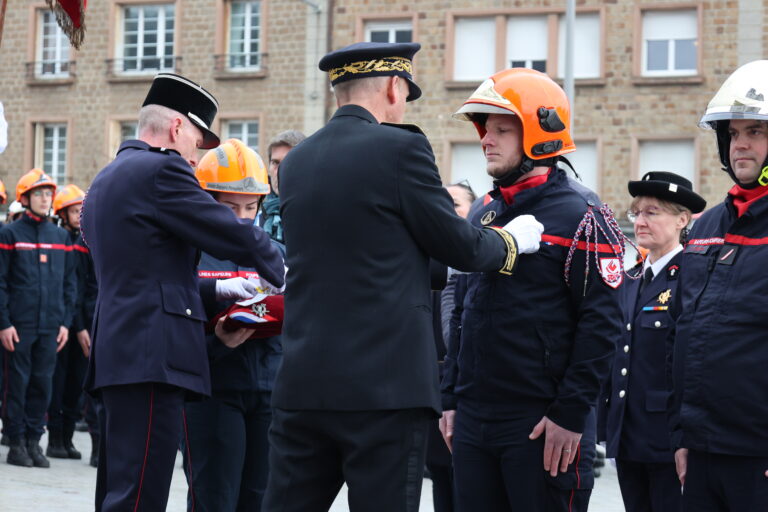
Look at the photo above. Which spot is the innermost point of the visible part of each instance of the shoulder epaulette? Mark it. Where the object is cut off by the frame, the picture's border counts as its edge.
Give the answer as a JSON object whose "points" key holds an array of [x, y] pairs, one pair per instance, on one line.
{"points": [[410, 127], [165, 151]]}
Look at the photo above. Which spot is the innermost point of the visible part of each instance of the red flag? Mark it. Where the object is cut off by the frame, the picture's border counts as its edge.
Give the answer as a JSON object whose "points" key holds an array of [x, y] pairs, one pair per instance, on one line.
{"points": [[70, 15]]}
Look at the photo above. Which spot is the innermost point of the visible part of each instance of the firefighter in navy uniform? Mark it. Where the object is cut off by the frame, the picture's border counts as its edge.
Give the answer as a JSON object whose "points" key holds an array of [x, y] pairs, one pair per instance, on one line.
{"points": [[37, 301], [635, 407], [71, 361], [227, 457], [355, 392], [529, 352], [720, 420], [144, 218]]}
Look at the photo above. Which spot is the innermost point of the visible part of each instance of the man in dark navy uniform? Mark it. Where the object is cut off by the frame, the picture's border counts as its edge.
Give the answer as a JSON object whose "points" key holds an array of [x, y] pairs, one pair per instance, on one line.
{"points": [[144, 218], [720, 420], [528, 352], [635, 405], [363, 210]]}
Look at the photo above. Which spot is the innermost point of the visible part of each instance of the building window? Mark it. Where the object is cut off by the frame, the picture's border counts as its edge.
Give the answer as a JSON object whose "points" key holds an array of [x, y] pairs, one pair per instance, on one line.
{"points": [[129, 130], [468, 163], [245, 130], [389, 32], [474, 44], [670, 43], [677, 156], [525, 43], [147, 39], [52, 53], [585, 162], [50, 150], [244, 36]]}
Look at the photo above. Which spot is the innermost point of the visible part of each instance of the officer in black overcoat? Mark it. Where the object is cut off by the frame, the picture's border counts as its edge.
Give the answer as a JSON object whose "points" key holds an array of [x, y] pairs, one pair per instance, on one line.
{"points": [[144, 219], [635, 404], [363, 209]]}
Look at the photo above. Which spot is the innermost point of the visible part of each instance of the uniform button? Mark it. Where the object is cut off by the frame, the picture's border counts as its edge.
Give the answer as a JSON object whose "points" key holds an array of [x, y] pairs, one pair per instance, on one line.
{"points": [[622, 393], [188, 311], [623, 371], [657, 324], [626, 348], [629, 327]]}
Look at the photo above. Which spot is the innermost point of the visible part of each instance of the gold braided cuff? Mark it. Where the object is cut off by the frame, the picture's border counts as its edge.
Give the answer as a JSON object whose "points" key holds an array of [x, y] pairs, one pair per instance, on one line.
{"points": [[386, 64], [511, 261]]}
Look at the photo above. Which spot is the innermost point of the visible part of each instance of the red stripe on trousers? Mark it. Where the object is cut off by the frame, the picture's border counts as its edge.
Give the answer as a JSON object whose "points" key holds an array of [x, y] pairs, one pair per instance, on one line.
{"points": [[189, 458], [146, 449]]}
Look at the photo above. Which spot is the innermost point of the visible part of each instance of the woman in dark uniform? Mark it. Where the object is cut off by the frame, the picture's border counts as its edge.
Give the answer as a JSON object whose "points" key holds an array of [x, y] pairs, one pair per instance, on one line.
{"points": [[637, 395]]}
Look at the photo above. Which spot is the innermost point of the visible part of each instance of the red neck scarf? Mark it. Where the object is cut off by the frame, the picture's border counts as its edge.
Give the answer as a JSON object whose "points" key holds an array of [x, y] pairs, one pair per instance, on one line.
{"points": [[511, 191], [743, 198]]}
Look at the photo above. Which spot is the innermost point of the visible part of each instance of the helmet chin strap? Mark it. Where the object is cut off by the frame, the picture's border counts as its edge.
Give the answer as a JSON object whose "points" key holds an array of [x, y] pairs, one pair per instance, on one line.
{"points": [[526, 165]]}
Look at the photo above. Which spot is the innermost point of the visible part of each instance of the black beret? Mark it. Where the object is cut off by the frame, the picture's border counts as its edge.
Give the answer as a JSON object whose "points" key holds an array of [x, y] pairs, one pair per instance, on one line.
{"points": [[670, 187], [188, 98], [365, 60]]}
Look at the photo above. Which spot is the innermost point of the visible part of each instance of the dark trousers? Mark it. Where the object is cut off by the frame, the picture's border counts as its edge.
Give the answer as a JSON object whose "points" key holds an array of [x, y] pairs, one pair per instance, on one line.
{"points": [[140, 429], [30, 372], [380, 454], [64, 409], [226, 451], [647, 487], [725, 483], [498, 469], [440, 469]]}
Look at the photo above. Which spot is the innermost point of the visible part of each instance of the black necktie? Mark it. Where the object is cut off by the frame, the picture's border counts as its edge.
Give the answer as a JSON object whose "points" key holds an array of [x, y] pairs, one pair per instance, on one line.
{"points": [[647, 278]]}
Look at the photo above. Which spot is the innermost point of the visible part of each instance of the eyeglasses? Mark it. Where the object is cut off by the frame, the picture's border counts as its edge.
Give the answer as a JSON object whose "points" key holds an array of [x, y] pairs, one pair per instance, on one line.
{"points": [[42, 193], [650, 214]]}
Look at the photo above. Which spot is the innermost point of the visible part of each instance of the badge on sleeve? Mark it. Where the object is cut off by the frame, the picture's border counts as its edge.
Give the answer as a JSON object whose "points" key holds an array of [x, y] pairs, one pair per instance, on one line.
{"points": [[610, 270], [488, 217]]}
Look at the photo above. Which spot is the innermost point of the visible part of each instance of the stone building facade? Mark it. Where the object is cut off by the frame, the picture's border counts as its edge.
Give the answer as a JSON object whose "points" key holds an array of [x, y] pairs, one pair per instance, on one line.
{"points": [[645, 72]]}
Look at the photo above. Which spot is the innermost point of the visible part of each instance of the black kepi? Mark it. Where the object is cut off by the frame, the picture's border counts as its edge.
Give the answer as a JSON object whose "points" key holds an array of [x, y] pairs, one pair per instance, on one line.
{"points": [[365, 60], [188, 98], [670, 187]]}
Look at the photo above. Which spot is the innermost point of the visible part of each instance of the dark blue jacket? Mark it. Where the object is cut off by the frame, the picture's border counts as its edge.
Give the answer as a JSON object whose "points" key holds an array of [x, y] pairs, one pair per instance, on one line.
{"points": [[253, 365], [721, 344], [37, 275], [87, 289], [635, 406], [529, 344], [144, 218]]}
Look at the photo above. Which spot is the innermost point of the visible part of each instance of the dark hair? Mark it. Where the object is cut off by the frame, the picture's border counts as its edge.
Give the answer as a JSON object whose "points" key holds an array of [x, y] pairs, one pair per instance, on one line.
{"points": [[464, 184], [288, 138]]}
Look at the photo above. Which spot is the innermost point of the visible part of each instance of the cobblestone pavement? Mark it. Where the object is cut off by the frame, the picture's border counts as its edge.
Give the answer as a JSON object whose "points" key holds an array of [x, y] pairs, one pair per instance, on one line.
{"points": [[68, 486]]}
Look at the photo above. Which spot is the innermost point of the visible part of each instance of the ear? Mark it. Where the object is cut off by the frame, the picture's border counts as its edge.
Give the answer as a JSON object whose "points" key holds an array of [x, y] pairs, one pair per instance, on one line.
{"points": [[176, 125], [393, 89], [24, 200]]}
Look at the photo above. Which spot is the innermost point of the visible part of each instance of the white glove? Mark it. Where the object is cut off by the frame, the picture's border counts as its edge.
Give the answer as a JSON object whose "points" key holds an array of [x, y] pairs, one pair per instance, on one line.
{"points": [[237, 288], [264, 286], [527, 232]]}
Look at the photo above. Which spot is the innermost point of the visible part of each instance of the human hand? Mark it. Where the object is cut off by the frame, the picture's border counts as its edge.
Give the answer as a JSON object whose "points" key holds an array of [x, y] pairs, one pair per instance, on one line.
{"points": [[84, 339], [231, 339], [681, 464], [560, 445], [236, 288], [526, 231], [8, 337], [61, 339], [446, 428], [265, 286]]}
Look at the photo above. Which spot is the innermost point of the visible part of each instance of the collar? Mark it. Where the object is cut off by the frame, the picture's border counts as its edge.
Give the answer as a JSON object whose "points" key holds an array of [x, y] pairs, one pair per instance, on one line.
{"points": [[659, 265], [355, 111], [744, 198], [509, 193], [33, 218]]}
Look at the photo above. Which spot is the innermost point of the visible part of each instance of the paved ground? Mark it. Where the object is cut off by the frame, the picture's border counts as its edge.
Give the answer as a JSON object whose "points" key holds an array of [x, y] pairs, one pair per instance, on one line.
{"points": [[68, 486]]}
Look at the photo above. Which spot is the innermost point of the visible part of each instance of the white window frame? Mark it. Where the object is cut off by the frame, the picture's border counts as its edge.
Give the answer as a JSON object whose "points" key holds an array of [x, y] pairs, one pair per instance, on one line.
{"points": [[392, 27], [670, 71], [60, 48], [227, 130], [459, 72], [160, 44], [253, 59], [120, 126], [509, 57], [56, 169]]}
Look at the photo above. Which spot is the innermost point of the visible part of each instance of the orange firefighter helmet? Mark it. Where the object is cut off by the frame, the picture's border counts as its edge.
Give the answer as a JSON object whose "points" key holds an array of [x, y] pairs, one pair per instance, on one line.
{"points": [[233, 167]]}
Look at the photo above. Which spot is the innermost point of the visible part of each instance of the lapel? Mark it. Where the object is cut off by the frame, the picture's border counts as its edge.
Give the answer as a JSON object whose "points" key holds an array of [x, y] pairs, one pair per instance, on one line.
{"points": [[660, 284], [631, 286]]}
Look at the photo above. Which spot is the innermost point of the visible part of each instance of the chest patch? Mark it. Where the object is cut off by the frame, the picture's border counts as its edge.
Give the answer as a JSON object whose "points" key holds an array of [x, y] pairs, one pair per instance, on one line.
{"points": [[43, 258], [665, 296], [610, 269], [727, 255], [488, 217]]}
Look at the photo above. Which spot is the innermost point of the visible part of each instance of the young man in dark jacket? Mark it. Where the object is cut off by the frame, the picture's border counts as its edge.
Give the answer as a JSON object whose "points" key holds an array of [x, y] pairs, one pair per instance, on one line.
{"points": [[530, 350], [37, 299]]}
